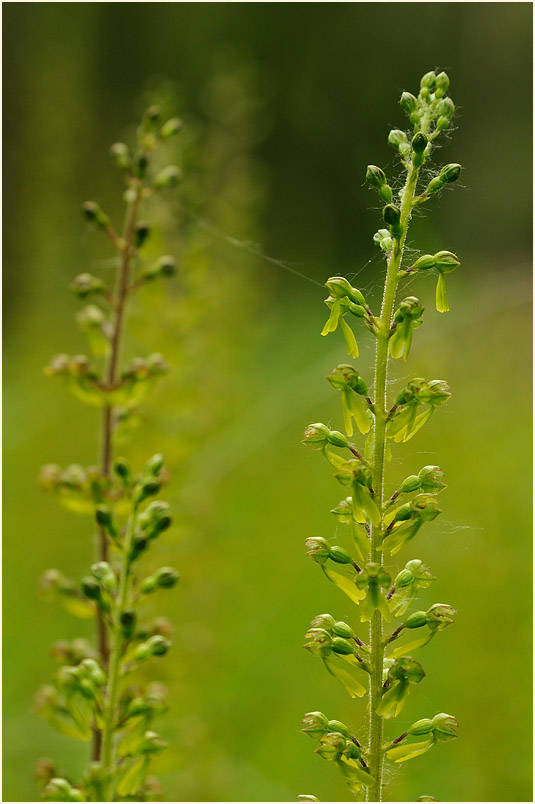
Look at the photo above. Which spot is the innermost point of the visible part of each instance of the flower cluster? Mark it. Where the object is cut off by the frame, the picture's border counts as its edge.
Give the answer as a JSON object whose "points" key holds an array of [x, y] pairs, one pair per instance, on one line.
{"points": [[92, 696], [379, 663]]}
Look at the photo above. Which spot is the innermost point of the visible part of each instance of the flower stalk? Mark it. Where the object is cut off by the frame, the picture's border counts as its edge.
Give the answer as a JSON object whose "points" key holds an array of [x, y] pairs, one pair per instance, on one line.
{"points": [[376, 526], [90, 698]]}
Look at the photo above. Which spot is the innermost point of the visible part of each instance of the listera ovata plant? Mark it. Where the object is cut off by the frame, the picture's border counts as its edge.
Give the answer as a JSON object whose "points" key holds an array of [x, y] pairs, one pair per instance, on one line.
{"points": [[95, 695], [381, 664]]}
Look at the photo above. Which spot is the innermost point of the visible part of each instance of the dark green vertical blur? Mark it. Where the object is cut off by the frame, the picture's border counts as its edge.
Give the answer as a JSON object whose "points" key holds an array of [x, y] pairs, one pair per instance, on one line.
{"points": [[280, 160]]}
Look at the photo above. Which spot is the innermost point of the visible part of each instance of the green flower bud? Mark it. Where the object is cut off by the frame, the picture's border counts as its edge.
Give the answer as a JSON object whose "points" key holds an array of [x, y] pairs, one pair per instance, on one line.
{"points": [[167, 265], [158, 645], [408, 103], [419, 142], [416, 620], [442, 83], [340, 556], [59, 789], [411, 483], [318, 642], [424, 263], [152, 743], [142, 653], [307, 798], [105, 575], [332, 745], [392, 218], [168, 177], [141, 234], [339, 727], [155, 518], [440, 615], [104, 518], [85, 285], [438, 392], [91, 589], [342, 647], [128, 621], [428, 80], [419, 145], [318, 549], [383, 239], [445, 108], [442, 123], [424, 726], [68, 677], [431, 478], [141, 164], [337, 439], [316, 435], [146, 489], [399, 140], [149, 585], [434, 186], [324, 621], [445, 727], [166, 577], [95, 672], [315, 724], [343, 630], [425, 506], [339, 288], [451, 173], [171, 128], [139, 544], [154, 465], [446, 262], [121, 155], [376, 178], [94, 214], [403, 579], [152, 114], [122, 469]]}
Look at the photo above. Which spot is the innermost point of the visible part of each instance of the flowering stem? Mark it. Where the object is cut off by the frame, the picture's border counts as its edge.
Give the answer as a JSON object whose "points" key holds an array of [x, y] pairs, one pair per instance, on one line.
{"points": [[112, 689], [380, 415], [118, 303]]}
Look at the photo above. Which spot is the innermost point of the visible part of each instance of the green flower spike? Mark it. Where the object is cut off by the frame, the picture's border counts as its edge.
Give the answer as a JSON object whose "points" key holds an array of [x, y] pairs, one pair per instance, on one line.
{"points": [[380, 524]]}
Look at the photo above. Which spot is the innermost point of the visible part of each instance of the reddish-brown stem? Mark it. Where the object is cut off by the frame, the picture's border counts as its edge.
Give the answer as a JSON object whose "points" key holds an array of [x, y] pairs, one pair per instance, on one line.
{"points": [[106, 446]]}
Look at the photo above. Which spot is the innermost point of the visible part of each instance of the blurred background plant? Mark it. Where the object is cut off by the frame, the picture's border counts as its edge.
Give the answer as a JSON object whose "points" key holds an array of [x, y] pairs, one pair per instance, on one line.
{"points": [[280, 108]]}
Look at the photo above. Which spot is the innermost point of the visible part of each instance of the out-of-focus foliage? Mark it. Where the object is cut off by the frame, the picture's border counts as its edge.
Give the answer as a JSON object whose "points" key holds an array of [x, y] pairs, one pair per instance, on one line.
{"points": [[281, 113]]}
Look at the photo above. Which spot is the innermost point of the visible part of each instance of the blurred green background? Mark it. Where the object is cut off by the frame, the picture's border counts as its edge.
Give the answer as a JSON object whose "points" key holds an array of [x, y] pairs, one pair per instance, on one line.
{"points": [[284, 105]]}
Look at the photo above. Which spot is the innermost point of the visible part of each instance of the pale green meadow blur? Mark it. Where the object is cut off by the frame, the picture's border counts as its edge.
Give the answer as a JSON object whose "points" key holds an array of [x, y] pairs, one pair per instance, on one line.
{"points": [[284, 106]]}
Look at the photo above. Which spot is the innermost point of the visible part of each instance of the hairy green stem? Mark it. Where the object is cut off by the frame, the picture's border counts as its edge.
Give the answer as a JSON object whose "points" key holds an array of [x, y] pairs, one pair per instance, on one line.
{"points": [[114, 668], [380, 415]]}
